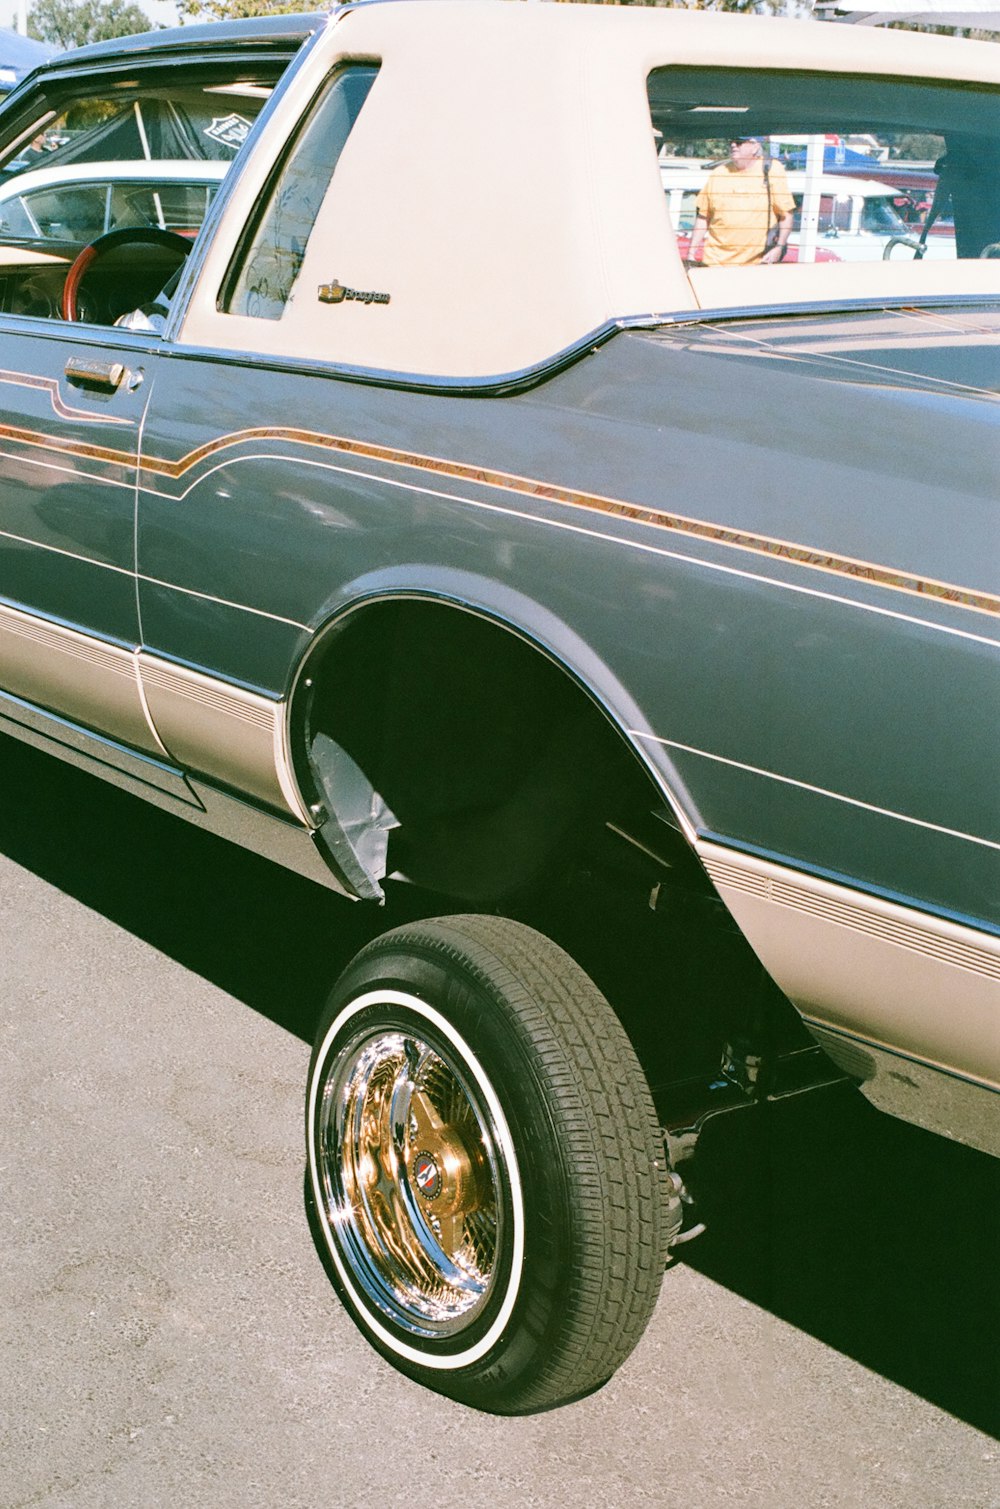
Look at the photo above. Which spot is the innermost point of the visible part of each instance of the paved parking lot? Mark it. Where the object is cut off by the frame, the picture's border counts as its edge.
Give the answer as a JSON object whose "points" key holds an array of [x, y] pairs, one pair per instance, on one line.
{"points": [[169, 1336]]}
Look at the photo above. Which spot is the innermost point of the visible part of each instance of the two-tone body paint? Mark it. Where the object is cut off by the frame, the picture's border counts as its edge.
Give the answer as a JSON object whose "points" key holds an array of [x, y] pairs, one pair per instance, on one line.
{"points": [[812, 680], [70, 628], [69, 625], [810, 674], [767, 549]]}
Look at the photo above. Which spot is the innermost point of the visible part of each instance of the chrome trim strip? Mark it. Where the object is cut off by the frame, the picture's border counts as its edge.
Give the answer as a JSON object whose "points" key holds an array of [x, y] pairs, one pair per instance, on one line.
{"points": [[739, 846], [502, 385], [522, 379], [836, 796], [907, 303], [91, 751], [939, 384], [225, 602], [266, 834]]}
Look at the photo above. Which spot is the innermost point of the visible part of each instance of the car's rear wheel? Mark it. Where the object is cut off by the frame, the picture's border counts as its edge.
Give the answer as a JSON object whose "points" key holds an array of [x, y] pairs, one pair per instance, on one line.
{"points": [[487, 1174]]}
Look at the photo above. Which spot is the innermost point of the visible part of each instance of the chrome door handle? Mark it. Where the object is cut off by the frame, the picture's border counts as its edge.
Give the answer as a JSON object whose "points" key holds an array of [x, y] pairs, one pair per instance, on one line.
{"points": [[104, 375]]}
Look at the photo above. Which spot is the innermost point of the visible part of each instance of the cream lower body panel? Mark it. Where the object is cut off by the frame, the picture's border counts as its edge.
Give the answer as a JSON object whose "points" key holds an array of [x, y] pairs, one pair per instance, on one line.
{"points": [[962, 1109], [77, 675], [199, 722], [222, 731], [884, 974]]}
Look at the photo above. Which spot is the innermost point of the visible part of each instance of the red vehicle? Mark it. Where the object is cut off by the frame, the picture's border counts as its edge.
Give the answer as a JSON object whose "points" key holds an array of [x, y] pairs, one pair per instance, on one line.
{"points": [[915, 184]]}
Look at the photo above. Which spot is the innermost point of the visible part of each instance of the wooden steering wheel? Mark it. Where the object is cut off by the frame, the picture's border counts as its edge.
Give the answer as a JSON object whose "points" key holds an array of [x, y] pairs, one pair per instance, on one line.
{"points": [[85, 260]]}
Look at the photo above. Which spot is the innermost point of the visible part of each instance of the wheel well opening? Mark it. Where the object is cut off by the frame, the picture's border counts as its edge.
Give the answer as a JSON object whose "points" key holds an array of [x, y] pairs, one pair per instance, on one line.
{"points": [[514, 792], [493, 760]]}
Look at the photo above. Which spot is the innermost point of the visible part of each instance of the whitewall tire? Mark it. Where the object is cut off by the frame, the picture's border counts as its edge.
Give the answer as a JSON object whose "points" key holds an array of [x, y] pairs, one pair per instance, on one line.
{"points": [[486, 1173]]}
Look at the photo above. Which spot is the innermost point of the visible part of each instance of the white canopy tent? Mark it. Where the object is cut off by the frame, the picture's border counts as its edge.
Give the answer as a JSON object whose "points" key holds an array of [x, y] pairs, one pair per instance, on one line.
{"points": [[981, 14]]}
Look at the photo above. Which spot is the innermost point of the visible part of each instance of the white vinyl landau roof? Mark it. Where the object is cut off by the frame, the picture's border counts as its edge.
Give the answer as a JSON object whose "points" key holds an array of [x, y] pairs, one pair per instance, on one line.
{"points": [[501, 184]]}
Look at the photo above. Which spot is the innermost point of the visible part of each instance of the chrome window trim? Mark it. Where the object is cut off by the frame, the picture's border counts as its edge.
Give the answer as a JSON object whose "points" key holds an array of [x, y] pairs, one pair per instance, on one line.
{"points": [[504, 384]]}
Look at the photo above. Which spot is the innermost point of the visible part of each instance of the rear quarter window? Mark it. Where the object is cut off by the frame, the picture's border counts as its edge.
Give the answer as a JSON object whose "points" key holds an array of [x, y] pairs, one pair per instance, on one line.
{"points": [[824, 140]]}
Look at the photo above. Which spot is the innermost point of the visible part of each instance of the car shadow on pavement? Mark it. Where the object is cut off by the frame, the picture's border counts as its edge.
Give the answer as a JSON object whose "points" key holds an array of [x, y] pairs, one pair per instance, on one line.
{"points": [[880, 1240], [259, 932]]}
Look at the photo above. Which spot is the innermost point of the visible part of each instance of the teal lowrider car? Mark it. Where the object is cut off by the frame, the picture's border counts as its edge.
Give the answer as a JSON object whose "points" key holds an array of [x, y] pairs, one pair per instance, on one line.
{"points": [[425, 518]]}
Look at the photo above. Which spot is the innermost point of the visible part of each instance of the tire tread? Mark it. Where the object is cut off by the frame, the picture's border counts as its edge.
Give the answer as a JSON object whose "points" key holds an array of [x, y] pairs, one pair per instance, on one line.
{"points": [[606, 1122]]}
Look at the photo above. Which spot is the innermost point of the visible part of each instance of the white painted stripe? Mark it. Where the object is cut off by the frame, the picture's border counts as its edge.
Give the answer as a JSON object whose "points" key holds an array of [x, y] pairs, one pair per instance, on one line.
{"points": [[613, 539], [72, 555], [225, 602], [819, 358], [75, 471], [837, 796]]}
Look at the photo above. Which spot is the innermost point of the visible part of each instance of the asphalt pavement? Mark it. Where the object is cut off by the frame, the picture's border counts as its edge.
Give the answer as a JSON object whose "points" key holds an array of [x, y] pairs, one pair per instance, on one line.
{"points": [[169, 1337]]}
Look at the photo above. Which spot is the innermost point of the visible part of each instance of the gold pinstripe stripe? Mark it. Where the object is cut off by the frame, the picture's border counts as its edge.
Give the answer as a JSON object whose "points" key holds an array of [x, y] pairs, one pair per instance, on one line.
{"points": [[51, 386], [717, 534]]}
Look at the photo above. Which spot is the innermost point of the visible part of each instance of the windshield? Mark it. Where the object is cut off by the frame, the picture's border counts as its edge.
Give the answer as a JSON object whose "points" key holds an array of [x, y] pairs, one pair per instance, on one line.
{"points": [[878, 216]]}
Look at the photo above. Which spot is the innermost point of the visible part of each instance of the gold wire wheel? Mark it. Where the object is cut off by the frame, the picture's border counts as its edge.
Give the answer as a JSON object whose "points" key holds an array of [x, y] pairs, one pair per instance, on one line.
{"points": [[412, 1181]]}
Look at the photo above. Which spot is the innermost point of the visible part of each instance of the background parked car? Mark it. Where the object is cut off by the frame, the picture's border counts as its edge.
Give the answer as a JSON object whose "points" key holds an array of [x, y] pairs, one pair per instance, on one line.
{"points": [[66, 207], [18, 56]]}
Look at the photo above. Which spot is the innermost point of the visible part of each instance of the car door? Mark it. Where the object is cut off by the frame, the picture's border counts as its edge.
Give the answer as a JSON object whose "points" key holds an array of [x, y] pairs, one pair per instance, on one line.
{"points": [[77, 145], [71, 406], [217, 532]]}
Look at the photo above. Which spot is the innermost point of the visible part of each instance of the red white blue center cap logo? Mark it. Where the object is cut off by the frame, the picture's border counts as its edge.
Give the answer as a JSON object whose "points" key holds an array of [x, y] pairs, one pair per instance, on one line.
{"points": [[427, 1176]]}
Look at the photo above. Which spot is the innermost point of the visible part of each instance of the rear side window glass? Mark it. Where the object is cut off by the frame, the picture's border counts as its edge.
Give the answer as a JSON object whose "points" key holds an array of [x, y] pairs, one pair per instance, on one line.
{"points": [[179, 206], [77, 213], [861, 169], [269, 260]]}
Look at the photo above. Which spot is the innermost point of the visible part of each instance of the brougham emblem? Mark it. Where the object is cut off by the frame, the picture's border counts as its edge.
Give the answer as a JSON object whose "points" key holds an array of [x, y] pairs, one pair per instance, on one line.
{"points": [[336, 293]]}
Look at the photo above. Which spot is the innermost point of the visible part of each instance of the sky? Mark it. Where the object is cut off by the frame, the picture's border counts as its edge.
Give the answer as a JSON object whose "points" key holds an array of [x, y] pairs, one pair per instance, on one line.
{"points": [[160, 12]]}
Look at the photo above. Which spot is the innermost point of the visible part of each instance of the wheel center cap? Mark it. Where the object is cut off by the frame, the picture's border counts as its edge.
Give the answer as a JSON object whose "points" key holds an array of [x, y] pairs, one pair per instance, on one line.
{"points": [[427, 1176]]}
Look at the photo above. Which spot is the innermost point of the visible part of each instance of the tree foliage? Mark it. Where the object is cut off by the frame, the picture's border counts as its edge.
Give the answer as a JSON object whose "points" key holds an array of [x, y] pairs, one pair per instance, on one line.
{"points": [[741, 7], [74, 23], [223, 10], [228, 10]]}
